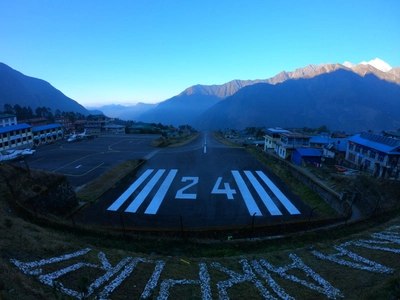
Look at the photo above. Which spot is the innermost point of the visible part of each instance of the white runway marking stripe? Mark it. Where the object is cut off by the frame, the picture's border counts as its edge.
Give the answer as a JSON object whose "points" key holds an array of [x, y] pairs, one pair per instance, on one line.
{"points": [[271, 206], [159, 196], [117, 204], [145, 192], [281, 197], [246, 194]]}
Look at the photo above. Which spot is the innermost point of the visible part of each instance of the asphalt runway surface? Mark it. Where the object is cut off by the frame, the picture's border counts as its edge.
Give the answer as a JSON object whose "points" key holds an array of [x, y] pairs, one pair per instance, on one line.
{"points": [[203, 184]]}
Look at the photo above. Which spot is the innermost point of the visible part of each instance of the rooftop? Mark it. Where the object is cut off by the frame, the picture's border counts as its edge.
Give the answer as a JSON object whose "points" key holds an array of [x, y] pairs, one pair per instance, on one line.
{"points": [[377, 142], [14, 127], [45, 127]]}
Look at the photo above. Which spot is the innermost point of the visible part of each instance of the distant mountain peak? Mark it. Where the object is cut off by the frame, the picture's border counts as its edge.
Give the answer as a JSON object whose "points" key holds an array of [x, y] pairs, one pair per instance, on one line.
{"points": [[349, 64], [379, 64], [376, 63]]}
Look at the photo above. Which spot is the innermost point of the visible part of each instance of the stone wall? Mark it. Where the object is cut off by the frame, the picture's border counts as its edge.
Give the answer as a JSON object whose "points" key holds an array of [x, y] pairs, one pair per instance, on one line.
{"points": [[336, 201], [57, 198]]}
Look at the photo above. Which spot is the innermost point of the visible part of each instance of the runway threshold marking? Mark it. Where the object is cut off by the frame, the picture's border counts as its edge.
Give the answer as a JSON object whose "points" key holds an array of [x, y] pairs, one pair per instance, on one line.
{"points": [[144, 192], [251, 204], [159, 196], [282, 198], [271, 206], [117, 204]]}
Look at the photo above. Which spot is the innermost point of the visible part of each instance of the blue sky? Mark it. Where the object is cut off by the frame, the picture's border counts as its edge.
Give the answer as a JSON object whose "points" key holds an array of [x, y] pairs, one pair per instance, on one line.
{"points": [[103, 52]]}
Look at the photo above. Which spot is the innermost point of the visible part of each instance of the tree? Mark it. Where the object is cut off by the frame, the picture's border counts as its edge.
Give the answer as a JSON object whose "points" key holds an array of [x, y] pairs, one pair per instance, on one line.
{"points": [[17, 110], [8, 109], [260, 132], [38, 112], [30, 113], [322, 128], [250, 130]]}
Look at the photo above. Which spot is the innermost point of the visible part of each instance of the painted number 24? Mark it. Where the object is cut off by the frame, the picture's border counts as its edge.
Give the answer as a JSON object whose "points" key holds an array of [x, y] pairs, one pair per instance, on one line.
{"points": [[226, 190]]}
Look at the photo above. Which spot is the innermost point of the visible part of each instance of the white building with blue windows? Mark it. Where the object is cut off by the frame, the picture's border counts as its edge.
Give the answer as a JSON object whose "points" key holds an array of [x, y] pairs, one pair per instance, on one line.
{"points": [[16, 137], [377, 154]]}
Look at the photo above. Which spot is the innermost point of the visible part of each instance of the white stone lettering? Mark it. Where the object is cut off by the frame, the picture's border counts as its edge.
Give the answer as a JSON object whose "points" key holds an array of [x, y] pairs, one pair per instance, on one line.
{"points": [[247, 275], [151, 284], [361, 262], [28, 268], [204, 283], [323, 287], [270, 281]]}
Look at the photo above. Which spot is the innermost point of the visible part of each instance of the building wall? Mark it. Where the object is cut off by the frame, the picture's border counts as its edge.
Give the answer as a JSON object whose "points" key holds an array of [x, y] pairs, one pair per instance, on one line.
{"points": [[7, 120], [47, 135], [365, 158], [16, 139]]}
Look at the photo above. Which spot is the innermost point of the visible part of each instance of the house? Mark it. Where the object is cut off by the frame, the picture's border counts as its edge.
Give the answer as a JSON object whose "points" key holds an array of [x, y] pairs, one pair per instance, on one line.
{"points": [[114, 129], [64, 121], [392, 134], [96, 123], [377, 154], [37, 122], [7, 120], [289, 141], [16, 137], [140, 127], [318, 141], [272, 135], [79, 126], [336, 148], [301, 156], [47, 134]]}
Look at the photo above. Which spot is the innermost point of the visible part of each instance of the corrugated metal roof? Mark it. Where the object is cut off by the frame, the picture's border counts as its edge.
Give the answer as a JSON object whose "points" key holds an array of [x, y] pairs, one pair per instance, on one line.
{"points": [[308, 152], [317, 139], [377, 142], [14, 127], [45, 127], [379, 139]]}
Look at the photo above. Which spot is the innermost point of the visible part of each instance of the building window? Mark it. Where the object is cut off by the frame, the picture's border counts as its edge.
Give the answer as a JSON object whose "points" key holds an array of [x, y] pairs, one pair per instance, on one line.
{"points": [[351, 147], [351, 157], [367, 163], [381, 158], [358, 149], [372, 155]]}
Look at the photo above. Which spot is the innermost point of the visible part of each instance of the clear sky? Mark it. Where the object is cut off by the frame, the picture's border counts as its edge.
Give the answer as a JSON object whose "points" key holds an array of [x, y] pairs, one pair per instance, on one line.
{"points": [[101, 52]]}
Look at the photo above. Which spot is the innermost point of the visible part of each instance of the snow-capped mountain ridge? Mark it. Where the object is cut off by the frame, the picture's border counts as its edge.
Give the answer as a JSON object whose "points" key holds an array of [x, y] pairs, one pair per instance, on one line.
{"points": [[376, 63]]}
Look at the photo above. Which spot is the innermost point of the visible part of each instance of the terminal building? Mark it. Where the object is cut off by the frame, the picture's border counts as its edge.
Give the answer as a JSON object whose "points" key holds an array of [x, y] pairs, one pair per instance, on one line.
{"points": [[14, 135], [17, 136]]}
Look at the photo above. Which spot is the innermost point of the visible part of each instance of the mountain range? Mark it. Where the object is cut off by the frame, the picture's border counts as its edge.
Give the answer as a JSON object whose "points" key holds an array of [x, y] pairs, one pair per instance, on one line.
{"points": [[17, 88], [338, 99], [341, 100], [341, 96]]}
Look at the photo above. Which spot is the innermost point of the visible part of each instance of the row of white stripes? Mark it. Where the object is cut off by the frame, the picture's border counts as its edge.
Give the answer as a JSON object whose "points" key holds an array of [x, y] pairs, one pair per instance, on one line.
{"points": [[248, 198]]}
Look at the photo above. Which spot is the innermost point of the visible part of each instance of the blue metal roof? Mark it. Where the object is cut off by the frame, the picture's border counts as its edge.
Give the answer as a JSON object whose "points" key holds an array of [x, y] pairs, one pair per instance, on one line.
{"points": [[14, 127], [45, 127], [383, 145], [317, 139], [308, 152]]}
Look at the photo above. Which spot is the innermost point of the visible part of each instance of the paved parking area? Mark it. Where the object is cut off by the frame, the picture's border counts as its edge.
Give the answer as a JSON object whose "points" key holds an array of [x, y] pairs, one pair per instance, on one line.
{"points": [[86, 160]]}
